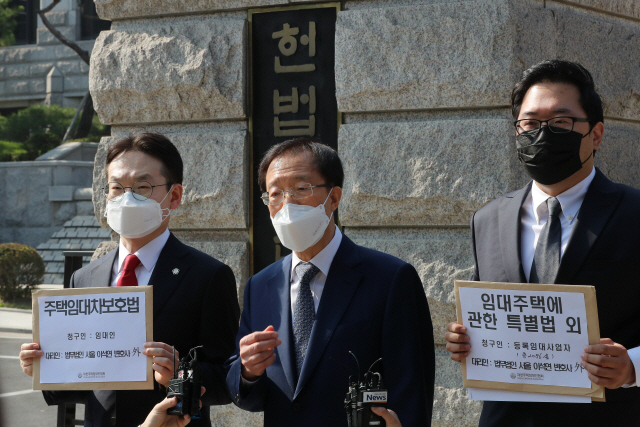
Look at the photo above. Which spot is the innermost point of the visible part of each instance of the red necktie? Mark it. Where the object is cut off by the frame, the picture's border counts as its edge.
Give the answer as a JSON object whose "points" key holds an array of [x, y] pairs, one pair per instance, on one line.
{"points": [[128, 276]]}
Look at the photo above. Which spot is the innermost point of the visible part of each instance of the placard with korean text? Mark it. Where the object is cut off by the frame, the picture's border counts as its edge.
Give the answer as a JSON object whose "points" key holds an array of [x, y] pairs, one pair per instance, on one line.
{"points": [[92, 338], [528, 337]]}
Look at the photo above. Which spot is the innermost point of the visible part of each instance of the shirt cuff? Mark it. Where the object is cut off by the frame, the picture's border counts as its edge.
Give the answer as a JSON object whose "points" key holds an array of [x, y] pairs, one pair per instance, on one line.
{"points": [[634, 355], [246, 385]]}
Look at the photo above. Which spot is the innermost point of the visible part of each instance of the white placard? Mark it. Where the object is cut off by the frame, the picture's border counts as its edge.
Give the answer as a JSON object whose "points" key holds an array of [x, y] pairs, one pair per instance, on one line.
{"points": [[93, 338], [525, 336]]}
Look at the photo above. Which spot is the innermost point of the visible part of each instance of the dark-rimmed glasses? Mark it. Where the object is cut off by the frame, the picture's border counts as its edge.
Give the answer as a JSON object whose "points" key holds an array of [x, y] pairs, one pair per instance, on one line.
{"points": [[556, 125], [141, 190], [299, 192]]}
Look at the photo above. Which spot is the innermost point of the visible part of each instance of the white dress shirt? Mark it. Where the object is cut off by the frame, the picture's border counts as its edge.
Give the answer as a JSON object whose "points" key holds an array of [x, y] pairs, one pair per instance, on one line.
{"points": [[148, 256], [534, 215], [323, 261]]}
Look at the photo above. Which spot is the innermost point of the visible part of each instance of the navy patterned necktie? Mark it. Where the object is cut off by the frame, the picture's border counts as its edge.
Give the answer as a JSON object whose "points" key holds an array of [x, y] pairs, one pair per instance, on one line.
{"points": [[546, 260], [304, 313]]}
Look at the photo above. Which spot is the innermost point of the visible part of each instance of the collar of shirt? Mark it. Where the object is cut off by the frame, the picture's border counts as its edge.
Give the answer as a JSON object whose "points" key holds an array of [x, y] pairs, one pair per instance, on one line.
{"points": [[322, 260], [570, 200], [148, 254]]}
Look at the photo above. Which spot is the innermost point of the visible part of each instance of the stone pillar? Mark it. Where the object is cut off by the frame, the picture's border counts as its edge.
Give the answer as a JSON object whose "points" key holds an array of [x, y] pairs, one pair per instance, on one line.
{"points": [[426, 136], [55, 87]]}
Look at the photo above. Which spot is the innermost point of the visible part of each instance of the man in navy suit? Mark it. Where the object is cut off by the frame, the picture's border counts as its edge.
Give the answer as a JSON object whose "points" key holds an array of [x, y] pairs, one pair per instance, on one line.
{"points": [[194, 296], [559, 128], [306, 312]]}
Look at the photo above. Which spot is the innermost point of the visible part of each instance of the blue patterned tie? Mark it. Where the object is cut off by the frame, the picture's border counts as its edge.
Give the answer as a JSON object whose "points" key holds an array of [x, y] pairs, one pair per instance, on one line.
{"points": [[304, 313]]}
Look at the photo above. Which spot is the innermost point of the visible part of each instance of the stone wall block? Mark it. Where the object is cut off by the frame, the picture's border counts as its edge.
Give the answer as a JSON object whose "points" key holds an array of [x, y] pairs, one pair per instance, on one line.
{"points": [[619, 155], [440, 256], [20, 197], [232, 416], [425, 173], [45, 37], [452, 408], [123, 9], [462, 54], [179, 69], [629, 8], [73, 67], [619, 86], [76, 83], [16, 71], [58, 18], [215, 188], [58, 52], [16, 54]]}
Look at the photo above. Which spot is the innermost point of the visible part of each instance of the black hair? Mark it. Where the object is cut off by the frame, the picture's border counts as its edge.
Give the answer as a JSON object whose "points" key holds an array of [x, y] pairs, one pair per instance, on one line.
{"points": [[155, 145], [325, 159], [559, 71]]}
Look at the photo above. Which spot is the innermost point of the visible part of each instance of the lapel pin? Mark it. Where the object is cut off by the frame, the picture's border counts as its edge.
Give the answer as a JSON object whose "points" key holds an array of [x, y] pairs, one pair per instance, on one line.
{"points": [[175, 271]]}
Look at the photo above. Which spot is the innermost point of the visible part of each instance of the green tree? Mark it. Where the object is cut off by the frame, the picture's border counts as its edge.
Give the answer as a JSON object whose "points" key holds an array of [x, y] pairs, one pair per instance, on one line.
{"points": [[21, 270], [37, 119], [8, 22]]}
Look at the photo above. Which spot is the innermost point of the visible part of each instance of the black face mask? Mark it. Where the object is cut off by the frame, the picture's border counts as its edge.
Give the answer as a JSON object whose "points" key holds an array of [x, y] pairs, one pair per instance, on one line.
{"points": [[550, 157]]}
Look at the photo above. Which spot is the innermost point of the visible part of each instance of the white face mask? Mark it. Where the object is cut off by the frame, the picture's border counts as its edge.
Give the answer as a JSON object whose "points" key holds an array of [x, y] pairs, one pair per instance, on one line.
{"points": [[133, 218], [300, 226]]}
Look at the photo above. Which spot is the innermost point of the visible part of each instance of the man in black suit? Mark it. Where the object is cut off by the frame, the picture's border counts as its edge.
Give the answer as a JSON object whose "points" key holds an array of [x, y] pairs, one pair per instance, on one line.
{"points": [[571, 225], [194, 296]]}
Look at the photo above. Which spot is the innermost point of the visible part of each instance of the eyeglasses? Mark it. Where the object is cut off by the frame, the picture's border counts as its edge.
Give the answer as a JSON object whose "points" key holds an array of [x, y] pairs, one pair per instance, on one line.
{"points": [[556, 125], [141, 190], [299, 192]]}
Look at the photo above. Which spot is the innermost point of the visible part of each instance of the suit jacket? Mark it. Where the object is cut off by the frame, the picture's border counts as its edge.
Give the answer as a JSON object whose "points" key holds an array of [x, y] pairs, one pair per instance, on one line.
{"points": [[373, 305], [603, 251], [198, 306]]}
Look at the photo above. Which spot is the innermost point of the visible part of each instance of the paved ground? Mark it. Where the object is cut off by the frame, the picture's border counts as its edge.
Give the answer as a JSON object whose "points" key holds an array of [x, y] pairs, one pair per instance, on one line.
{"points": [[20, 406]]}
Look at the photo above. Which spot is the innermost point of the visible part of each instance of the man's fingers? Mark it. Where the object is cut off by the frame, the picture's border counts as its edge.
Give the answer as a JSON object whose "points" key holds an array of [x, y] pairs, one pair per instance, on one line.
{"points": [[458, 348], [30, 346], [258, 336], [256, 358], [260, 367], [390, 417], [261, 346], [598, 370], [606, 341], [30, 354], [456, 338], [608, 349], [166, 404], [154, 344], [164, 362], [456, 328], [458, 357]]}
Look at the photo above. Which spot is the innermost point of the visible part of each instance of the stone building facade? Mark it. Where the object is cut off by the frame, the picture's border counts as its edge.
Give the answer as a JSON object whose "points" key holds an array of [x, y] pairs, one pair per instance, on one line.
{"points": [[46, 70], [426, 135]]}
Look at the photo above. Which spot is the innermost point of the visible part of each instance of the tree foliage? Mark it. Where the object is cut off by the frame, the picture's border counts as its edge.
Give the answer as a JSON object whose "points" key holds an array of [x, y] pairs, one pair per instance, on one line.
{"points": [[21, 270], [40, 128], [8, 22]]}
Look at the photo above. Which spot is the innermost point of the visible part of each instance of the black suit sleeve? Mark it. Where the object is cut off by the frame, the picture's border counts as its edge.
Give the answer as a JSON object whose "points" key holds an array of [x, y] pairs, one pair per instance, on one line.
{"points": [[408, 353], [218, 329], [475, 276]]}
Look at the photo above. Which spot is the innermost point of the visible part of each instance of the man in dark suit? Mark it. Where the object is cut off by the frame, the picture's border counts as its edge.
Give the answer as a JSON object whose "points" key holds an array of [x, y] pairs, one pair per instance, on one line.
{"points": [[571, 225], [306, 312], [194, 296]]}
